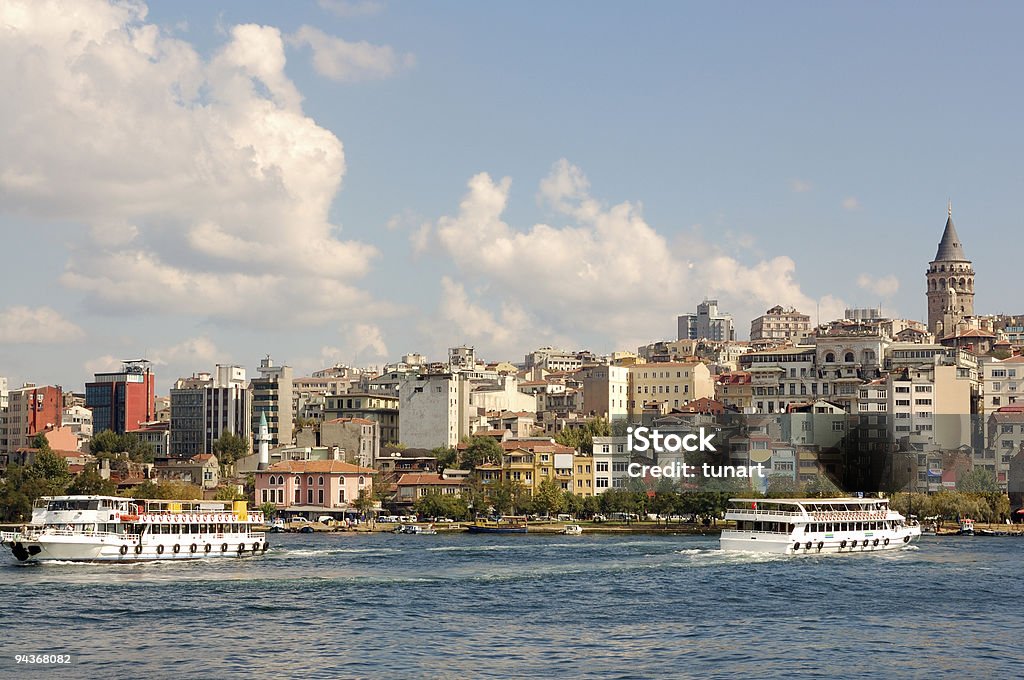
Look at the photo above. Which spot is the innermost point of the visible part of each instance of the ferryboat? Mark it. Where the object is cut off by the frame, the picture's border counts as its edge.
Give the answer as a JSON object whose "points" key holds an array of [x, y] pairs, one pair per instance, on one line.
{"points": [[504, 525], [803, 526], [114, 529]]}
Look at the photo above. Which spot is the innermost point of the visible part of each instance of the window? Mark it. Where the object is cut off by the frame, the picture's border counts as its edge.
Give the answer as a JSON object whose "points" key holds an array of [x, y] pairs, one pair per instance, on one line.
{"points": [[341, 495], [319, 481], [601, 482], [848, 358], [298, 496], [830, 358], [602, 466], [309, 496], [320, 497]]}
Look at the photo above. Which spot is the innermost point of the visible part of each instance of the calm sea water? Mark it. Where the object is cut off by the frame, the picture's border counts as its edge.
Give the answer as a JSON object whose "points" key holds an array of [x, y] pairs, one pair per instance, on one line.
{"points": [[466, 606]]}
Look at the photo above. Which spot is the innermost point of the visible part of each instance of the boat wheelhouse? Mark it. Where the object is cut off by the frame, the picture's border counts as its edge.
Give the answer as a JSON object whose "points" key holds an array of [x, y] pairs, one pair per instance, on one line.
{"points": [[800, 526], [114, 529]]}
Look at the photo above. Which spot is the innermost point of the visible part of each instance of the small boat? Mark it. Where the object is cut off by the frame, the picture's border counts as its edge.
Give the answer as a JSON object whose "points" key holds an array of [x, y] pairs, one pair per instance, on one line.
{"points": [[306, 529], [416, 529], [990, 532], [572, 530], [504, 525], [966, 527]]}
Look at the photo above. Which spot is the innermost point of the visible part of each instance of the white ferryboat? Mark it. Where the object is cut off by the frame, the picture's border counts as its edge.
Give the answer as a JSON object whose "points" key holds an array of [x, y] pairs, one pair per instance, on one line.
{"points": [[114, 529], [802, 526]]}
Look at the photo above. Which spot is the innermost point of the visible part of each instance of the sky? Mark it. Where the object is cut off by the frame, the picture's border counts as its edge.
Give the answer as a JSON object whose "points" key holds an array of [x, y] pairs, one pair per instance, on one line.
{"points": [[352, 180]]}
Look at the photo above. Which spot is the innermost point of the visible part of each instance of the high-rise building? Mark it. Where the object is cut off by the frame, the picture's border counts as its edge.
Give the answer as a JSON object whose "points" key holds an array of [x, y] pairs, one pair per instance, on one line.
{"points": [[205, 407], [707, 324], [272, 396], [121, 400], [950, 281]]}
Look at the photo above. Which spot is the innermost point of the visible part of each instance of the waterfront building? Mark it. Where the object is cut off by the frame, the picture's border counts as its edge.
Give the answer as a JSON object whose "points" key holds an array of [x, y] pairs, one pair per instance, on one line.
{"points": [[357, 438], [202, 470], [611, 461], [707, 324], [120, 400], [780, 324], [312, 487], [1005, 437], [413, 486], [949, 283]]}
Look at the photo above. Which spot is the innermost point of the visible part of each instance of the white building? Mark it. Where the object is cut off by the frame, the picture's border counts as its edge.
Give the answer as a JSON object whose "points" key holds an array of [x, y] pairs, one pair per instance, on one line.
{"points": [[553, 360], [707, 324], [208, 406], [606, 392], [611, 463], [1003, 382], [79, 419], [433, 410], [781, 324]]}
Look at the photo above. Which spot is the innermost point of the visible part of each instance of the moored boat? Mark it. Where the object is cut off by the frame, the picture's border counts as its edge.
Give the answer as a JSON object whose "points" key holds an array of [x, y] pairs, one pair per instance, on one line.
{"points": [[114, 529], [966, 527], [800, 526], [504, 525], [572, 530]]}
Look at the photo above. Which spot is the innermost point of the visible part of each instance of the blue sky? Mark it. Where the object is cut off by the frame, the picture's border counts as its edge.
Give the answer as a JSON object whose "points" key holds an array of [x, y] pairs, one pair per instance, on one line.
{"points": [[800, 153]]}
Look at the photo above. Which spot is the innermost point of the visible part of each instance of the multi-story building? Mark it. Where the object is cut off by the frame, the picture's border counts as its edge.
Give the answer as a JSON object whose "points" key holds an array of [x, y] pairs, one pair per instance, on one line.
{"points": [[780, 324], [611, 461], [1005, 438], [121, 400], [672, 384], [413, 486], [313, 487], [1003, 382], [433, 410], [735, 390], [157, 434], [553, 360], [205, 407], [606, 392], [380, 408], [79, 419], [707, 324], [31, 410], [358, 438], [3, 393], [272, 397]]}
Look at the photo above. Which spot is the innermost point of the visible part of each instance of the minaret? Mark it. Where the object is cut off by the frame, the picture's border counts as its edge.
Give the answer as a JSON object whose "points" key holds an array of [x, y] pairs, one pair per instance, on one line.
{"points": [[263, 438], [950, 280]]}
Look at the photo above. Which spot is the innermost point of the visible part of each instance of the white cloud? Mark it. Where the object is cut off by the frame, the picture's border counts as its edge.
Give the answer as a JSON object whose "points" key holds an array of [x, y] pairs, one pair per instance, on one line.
{"points": [[38, 326], [351, 8], [799, 186], [103, 364], [204, 186], [606, 276], [346, 61], [363, 343], [884, 286], [851, 203]]}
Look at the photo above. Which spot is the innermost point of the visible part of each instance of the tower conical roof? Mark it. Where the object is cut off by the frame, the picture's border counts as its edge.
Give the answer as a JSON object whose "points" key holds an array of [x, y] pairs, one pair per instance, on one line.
{"points": [[263, 419], [949, 246]]}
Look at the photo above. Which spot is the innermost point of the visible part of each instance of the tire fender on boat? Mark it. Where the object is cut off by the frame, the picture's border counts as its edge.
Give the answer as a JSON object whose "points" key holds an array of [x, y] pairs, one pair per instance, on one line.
{"points": [[160, 550], [177, 548], [208, 548], [224, 547], [796, 546], [124, 550], [843, 543], [885, 542], [241, 548], [875, 543], [192, 548]]}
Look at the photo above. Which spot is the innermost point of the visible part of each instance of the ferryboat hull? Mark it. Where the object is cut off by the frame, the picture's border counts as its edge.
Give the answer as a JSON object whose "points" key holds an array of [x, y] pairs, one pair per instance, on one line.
{"points": [[789, 545], [74, 549], [476, 529]]}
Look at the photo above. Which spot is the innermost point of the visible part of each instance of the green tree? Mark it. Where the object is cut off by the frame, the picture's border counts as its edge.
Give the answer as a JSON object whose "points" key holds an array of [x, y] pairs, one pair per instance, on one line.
{"points": [[229, 447], [549, 498], [90, 483], [978, 480], [436, 504], [446, 456], [480, 450], [167, 491], [573, 505], [110, 445], [782, 486], [505, 495], [268, 509], [582, 438], [364, 502], [229, 493]]}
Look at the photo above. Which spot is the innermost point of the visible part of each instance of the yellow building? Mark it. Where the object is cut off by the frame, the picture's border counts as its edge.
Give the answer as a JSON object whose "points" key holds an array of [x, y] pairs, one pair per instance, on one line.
{"points": [[735, 389], [671, 383]]}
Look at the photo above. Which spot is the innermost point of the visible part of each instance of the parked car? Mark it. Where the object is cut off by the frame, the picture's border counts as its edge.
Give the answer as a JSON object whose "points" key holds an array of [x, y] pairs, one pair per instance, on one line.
{"points": [[300, 520], [325, 519], [600, 518]]}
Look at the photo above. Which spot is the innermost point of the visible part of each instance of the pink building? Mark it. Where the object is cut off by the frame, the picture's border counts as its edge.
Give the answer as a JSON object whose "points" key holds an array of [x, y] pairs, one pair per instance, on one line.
{"points": [[312, 487]]}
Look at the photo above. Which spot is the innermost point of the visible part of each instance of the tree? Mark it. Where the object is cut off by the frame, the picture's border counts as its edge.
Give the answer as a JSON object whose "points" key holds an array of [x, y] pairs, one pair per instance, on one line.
{"points": [[364, 502], [90, 483], [782, 486], [108, 444], [505, 495], [572, 504], [229, 493], [167, 491], [978, 480], [229, 447], [549, 498], [480, 450], [582, 438], [446, 456], [436, 504], [269, 510]]}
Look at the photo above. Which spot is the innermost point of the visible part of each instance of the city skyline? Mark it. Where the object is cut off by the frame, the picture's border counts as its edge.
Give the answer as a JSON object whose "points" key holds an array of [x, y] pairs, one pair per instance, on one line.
{"points": [[348, 182]]}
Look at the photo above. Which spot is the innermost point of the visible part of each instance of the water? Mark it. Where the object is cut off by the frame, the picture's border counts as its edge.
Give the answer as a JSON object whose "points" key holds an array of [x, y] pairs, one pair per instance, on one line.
{"points": [[471, 606]]}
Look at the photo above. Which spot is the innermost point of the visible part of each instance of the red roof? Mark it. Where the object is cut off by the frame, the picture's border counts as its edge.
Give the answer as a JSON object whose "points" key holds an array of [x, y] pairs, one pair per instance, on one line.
{"points": [[317, 466], [360, 421]]}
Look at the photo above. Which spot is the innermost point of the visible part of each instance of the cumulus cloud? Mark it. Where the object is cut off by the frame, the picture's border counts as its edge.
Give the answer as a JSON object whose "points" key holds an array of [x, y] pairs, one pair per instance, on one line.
{"points": [[883, 286], [38, 326], [607, 275], [851, 203], [170, 362], [362, 343], [799, 186], [204, 187], [346, 61], [351, 8]]}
